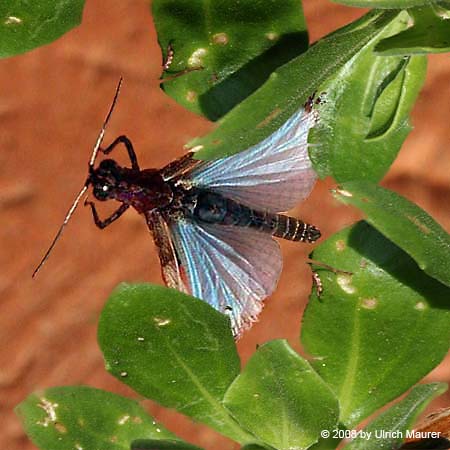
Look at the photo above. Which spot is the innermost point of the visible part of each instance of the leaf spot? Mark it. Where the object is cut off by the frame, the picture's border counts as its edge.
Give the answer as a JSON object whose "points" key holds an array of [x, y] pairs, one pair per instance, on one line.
{"points": [[60, 427], [78, 446], [191, 96], [420, 306], [272, 36], [269, 118], [12, 20], [123, 420], [344, 193], [196, 148], [345, 283], [161, 322], [136, 419], [416, 221], [340, 245], [220, 38], [196, 59], [50, 409], [369, 303], [113, 439]]}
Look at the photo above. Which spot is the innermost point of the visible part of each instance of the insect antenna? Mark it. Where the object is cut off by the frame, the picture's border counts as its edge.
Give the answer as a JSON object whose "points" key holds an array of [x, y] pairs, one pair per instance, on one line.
{"points": [[86, 185], [102, 130], [61, 229]]}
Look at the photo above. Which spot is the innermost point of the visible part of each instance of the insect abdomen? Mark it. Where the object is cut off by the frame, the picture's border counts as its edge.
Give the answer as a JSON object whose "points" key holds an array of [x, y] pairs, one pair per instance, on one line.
{"points": [[294, 229], [214, 208], [285, 227]]}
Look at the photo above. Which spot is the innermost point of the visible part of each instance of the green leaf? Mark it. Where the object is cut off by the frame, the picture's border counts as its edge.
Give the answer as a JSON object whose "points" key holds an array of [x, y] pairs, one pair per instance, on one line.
{"points": [[287, 89], [80, 417], [404, 223], [174, 349], [235, 45], [331, 442], [153, 444], [280, 399], [254, 447], [378, 329], [25, 25], [429, 34], [366, 115], [389, 4], [397, 420]]}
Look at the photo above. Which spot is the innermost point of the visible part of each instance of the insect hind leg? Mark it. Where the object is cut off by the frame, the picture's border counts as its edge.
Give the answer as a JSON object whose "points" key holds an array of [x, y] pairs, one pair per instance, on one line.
{"points": [[129, 146]]}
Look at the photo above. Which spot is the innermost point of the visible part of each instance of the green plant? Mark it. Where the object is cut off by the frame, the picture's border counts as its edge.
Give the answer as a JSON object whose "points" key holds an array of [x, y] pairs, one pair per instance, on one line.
{"points": [[393, 294]]}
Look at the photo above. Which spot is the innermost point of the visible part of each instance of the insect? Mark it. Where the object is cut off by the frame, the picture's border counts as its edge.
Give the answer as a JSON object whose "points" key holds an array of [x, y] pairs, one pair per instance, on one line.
{"points": [[213, 222]]}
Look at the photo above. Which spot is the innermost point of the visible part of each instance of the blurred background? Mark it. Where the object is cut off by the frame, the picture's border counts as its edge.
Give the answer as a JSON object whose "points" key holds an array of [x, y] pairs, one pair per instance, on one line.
{"points": [[52, 104]]}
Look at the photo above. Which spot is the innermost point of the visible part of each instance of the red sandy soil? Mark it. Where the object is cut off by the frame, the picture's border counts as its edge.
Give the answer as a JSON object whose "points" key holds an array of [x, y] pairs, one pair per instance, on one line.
{"points": [[52, 102]]}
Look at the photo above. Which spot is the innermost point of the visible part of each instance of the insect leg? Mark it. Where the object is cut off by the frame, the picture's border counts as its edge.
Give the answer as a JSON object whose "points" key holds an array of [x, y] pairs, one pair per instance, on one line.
{"points": [[167, 61], [129, 146], [328, 267], [317, 283], [109, 220]]}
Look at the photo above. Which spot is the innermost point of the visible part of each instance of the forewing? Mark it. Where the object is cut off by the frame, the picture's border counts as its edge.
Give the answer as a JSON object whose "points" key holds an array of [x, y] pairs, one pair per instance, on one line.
{"points": [[170, 266], [178, 167], [273, 175], [232, 268]]}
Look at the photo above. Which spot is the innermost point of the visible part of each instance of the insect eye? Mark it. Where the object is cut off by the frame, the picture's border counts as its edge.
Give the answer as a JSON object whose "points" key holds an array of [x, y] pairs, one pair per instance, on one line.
{"points": [[101, 192]]}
